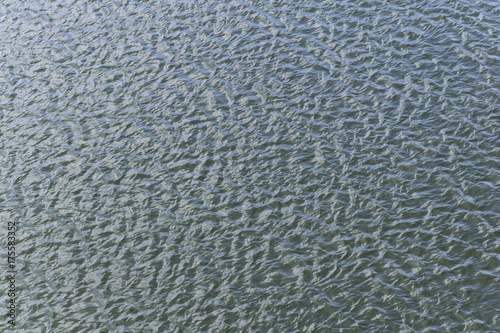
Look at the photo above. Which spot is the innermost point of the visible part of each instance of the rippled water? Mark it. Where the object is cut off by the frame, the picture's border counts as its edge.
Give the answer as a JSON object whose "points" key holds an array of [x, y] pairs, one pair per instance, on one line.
{"points": [[252, 166]]}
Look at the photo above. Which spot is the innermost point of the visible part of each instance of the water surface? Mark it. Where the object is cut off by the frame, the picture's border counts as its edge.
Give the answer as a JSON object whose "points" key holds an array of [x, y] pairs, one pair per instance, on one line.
{"points": [[252, 166]]}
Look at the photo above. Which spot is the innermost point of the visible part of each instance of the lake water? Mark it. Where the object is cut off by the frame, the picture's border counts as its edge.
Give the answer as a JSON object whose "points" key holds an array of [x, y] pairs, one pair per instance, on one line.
{"points": [[252, 166]]}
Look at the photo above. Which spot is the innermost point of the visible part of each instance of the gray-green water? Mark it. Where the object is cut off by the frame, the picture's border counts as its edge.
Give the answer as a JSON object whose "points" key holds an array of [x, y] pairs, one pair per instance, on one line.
{"points": [[252, 166]]}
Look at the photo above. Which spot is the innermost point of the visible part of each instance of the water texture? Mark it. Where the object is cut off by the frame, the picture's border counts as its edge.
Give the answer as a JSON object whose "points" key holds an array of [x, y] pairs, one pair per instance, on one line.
{"points": [[252, 166]]}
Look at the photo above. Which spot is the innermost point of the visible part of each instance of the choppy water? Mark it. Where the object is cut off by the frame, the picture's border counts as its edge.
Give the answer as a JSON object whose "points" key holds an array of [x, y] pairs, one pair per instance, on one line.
{"points": [[252, 166]]}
